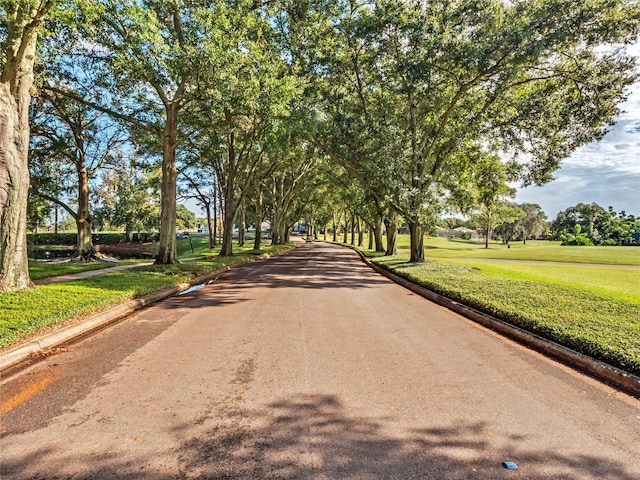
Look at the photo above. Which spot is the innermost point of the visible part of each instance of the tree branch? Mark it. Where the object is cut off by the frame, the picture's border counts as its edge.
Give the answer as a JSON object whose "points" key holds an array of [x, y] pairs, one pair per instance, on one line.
{"points": [[66, 207], [153, 129]]}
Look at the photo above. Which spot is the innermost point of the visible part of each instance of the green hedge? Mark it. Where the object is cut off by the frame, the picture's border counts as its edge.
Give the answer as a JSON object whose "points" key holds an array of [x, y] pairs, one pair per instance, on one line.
{"points": [[52, 238], [98, 238]]}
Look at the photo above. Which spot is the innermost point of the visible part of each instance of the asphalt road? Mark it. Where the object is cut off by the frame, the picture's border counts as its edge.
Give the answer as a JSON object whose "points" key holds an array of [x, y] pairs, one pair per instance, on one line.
{"points": [[310, 366]]}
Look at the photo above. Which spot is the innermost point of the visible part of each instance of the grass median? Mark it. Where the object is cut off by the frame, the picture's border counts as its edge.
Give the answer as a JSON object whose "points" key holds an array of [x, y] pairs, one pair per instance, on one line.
{"points": [[26, 313]]}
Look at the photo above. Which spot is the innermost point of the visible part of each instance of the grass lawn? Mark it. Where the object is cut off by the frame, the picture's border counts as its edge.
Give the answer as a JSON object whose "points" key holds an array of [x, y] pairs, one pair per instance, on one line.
{"points": [[29, 312], [39, 270], [534, 250], [618, 283], [591, 308]]}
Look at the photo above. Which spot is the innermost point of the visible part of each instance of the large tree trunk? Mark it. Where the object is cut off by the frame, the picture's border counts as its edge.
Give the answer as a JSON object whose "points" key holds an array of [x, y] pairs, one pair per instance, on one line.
{"points": [[167, 245], [16, 80], [279, 229], [392, 233], [14, 183], [84, 245], [416, 231], [227, 233], [211, 231], [377, 236], [370, 236], [258, 239]]}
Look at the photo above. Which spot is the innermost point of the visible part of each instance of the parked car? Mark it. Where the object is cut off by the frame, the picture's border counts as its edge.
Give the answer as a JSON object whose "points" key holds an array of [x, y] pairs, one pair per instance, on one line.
{"points": [[182, 236]]}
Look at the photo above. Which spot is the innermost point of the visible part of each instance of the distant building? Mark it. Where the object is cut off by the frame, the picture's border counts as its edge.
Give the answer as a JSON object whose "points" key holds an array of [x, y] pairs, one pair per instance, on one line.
{"points": [[460, 232]]}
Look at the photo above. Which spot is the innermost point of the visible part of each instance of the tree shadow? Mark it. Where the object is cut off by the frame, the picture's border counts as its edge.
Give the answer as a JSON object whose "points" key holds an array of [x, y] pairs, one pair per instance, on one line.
{"points": [[310, 266], [313, 437]]}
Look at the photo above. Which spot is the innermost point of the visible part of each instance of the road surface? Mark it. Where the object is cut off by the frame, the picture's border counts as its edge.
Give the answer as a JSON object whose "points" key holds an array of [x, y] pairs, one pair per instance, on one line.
{"points": [[310, 366]]}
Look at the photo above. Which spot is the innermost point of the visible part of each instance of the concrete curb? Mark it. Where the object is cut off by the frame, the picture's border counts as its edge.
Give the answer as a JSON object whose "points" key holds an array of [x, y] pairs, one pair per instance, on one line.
{"points": [[11, 359], [599, 370]]}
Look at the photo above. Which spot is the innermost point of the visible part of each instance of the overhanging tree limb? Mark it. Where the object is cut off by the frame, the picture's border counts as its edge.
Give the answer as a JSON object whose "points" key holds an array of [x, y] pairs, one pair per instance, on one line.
{"points": [[153, 129]]}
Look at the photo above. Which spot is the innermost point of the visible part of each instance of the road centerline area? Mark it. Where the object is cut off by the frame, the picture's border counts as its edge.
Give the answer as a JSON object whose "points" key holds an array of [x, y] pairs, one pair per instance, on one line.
{"points": [[310, 365]]}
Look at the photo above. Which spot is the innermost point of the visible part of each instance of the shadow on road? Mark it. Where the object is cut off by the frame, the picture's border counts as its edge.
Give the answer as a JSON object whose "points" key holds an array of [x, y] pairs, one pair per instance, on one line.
{"points": [[312, 437], [311, 266]]}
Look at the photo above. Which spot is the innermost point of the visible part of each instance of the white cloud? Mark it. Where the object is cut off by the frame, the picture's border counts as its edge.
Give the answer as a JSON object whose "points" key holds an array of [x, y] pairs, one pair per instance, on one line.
{"points": [[605, 172]]}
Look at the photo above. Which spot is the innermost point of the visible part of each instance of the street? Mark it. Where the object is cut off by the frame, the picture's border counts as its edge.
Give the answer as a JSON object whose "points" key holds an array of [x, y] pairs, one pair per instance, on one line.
{"points": [[310, 366]]}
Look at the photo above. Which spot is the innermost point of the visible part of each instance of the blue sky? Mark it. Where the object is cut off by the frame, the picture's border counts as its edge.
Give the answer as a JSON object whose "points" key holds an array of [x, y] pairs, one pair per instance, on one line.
{"points": [[605, 172]]}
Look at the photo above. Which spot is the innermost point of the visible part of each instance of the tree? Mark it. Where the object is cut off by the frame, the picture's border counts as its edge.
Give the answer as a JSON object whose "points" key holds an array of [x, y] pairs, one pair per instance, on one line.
{"points": [[76, 138], [128, 196], [357, 134], [533, 224], [185, 219], [202, 186], [38, 212], [616, 228], [527, 76], [289, 190], [487, 185], [150, 58], [21, 22], [576, 237], [600, 226]]}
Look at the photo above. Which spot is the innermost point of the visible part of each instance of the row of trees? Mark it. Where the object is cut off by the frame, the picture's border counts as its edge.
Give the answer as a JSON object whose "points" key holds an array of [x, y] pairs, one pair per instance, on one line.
{"points": [[591, 224], [385, 109], [582, 224]]}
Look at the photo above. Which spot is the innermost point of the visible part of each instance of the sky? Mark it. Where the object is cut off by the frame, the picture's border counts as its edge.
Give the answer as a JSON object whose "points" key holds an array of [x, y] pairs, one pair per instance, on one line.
{"points": [[605, 172]]}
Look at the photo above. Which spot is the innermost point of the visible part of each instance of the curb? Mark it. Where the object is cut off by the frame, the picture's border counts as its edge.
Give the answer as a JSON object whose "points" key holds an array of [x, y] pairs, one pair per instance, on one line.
{"points": [[11, 359], [595, 368]]}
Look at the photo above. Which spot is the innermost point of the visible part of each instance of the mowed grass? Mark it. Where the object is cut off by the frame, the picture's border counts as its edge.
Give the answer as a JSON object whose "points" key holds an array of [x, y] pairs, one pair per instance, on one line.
{"points": [[534, 250], [29, 312], [40, 270], [619, 283], [542, 287]]}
